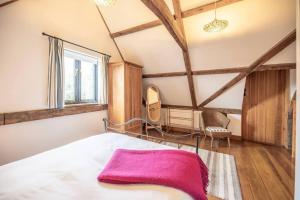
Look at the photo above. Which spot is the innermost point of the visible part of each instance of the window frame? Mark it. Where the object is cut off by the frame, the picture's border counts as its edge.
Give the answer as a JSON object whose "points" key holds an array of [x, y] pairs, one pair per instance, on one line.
{"points": [[77, 68]]}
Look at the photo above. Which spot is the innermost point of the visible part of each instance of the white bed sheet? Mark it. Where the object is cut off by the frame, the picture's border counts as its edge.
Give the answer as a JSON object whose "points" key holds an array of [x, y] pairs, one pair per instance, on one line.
{"points": [[70, 172]]}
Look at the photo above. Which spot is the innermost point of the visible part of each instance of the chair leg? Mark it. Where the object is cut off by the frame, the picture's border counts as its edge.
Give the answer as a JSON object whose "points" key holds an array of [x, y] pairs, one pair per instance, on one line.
{"points": [[228, 139], [160, 127], [211, 142], [204, 138], [147, 134]]}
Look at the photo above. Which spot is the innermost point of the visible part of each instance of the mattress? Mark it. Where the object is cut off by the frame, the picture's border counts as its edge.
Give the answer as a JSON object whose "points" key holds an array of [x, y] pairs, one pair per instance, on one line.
{"points": [[70, 172]]}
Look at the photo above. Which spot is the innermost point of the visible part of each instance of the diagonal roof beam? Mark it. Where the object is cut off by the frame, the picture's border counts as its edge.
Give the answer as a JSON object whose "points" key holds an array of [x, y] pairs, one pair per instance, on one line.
{"points": [[290, 38], [7, 3], [107, 28], [184, 14], [161, 10], [186, 55]]}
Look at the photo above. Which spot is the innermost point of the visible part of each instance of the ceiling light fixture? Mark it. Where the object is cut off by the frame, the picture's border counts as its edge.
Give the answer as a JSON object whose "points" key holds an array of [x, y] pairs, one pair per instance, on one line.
{"points": [[105, 3], [216, 25]]}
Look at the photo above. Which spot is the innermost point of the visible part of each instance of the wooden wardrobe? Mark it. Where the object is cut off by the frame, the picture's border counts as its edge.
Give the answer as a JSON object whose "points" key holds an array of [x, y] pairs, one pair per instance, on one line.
{"points": [[125, 94]]}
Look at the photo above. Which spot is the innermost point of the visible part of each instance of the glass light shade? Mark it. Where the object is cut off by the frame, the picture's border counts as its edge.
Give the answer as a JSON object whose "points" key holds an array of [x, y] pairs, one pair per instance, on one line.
{"points": [[215, 26], [105, 2]]}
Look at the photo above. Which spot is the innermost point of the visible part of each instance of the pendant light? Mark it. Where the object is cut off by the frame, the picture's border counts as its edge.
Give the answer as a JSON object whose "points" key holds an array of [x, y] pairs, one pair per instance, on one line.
{"points": [[216, 25], [105, 3]]}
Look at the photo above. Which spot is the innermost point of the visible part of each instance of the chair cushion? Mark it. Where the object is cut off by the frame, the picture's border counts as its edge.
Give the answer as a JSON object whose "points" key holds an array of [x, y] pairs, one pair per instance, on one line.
{"points": [[216, 129]]}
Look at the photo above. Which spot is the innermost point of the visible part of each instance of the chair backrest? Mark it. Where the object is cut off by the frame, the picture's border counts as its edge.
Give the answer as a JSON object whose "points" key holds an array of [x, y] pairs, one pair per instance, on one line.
{"points": [[214, 118]]}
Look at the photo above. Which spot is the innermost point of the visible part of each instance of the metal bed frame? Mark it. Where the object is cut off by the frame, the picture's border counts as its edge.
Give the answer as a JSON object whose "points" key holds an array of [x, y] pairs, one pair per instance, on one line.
{"points": [[108, 124]]}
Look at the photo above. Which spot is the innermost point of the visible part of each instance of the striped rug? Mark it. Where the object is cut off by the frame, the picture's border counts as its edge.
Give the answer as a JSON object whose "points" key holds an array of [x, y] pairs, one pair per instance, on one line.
{"points": [[223, 177]]}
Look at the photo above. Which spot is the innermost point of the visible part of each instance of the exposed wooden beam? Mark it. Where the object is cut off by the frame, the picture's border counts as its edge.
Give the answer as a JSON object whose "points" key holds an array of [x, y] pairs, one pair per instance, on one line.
{"points": [[161, 10], [25, 116], [177, 106], [178, 16], [291, 37], [186, 55], [207, 7], [280, 66], [114, 41], [187, 13], [136, 28], [161, 75], [7, 3], [223, 110]]}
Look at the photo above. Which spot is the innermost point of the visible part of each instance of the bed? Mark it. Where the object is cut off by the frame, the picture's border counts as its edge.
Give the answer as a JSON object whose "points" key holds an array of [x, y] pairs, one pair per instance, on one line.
{"points": [[70, 172]]}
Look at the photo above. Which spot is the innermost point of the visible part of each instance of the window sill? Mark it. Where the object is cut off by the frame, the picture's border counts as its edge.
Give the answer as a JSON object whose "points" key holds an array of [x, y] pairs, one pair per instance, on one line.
{"points": [[81, 104]]}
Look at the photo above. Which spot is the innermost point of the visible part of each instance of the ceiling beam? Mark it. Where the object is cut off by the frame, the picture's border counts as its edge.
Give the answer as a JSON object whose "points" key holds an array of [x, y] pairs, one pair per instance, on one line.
{"points": [[280, 66], [186, 55], [187, 13], [7, 3], [161, 10], [286, 41], [207, 7], [167, 74], [137, 28]]}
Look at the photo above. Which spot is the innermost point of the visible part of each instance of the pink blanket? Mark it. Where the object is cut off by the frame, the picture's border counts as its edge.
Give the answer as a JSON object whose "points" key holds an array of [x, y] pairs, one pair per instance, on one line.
{"points": [[174, 168]]}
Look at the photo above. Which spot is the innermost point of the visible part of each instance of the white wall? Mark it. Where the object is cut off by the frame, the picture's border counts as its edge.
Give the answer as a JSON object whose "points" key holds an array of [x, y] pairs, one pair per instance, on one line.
{"points": [[23, 71], [297, 173], [24, 51], [21, 140]]}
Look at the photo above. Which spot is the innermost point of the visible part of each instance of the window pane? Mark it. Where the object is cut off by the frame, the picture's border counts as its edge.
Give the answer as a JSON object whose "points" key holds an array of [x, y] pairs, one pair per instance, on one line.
{"points": [[88, 81], [69, 79]]}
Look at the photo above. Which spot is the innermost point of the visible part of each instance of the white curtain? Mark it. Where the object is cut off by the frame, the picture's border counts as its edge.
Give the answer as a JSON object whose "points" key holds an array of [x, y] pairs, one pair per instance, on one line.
{"points": [[103, 79], [55, 74]]}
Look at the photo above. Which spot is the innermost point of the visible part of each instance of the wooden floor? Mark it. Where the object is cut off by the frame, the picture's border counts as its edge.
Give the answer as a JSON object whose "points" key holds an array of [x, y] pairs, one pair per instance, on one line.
{"points": [[265, 172]]}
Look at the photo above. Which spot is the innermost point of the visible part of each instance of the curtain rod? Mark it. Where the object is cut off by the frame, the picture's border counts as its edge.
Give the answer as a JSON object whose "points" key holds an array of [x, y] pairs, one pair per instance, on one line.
{"points": [[75, 44]]}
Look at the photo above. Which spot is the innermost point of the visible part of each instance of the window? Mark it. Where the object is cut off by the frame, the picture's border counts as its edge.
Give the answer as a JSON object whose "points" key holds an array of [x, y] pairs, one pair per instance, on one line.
{"points": [[81, 78]]}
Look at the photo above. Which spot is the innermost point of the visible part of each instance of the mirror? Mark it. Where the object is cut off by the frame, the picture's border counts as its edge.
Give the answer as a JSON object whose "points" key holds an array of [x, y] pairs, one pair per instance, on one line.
{"points": [[153, 104]]}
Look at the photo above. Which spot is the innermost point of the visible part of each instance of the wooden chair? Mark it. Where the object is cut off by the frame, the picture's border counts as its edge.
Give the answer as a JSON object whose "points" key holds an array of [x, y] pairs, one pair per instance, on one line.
{"points": [[214, 124]]}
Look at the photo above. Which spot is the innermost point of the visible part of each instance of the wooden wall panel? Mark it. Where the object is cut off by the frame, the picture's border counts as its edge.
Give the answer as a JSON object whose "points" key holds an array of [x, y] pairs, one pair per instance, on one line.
{"points": [[265, 107], [1, 119], [294, 129]]}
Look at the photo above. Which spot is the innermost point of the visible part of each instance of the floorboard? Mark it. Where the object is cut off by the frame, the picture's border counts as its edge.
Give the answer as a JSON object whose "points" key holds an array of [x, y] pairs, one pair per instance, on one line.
{"points": [[265, 172]]}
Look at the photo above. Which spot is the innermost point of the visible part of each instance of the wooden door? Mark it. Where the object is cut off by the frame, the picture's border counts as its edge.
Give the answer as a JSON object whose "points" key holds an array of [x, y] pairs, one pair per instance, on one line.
{"points": [[264, 117]]}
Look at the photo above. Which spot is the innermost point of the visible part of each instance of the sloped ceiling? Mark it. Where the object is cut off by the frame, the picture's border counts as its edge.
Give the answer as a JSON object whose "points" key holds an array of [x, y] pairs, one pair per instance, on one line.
{"points": [[254, 27]]}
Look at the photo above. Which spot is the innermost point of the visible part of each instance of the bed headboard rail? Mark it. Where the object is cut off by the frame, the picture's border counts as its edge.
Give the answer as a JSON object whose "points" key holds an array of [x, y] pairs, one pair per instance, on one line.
{"points": [[108, 126]]}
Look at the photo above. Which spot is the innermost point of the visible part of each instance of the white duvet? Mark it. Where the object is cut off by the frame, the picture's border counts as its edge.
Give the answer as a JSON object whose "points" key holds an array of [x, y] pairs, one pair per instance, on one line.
{"points": [[70, 172]]}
